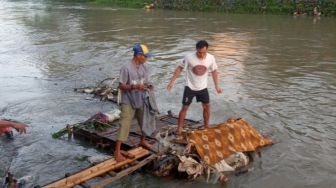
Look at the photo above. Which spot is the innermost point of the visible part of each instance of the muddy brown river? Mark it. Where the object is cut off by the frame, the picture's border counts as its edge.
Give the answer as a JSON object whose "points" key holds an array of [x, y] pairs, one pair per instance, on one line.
{"points": [[277, 72]]}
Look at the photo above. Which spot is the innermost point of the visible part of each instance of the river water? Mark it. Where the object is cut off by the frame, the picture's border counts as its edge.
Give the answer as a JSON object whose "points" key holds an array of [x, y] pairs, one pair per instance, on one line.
{"points": [[277, 72]]}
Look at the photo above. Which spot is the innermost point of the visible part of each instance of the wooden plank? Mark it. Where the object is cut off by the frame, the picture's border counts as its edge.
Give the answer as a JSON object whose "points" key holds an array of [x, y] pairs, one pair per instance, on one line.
{"points": [[133, 163], [92, 172], [84, 185], [127, 154], [96, 170], [123, 173], [112, 173]]}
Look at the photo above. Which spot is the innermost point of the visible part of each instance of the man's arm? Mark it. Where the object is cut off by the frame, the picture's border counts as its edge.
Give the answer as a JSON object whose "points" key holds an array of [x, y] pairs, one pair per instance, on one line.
{"points": [[21, 128], [123, 77], [215, 79], [177, 73], [133, 86]]}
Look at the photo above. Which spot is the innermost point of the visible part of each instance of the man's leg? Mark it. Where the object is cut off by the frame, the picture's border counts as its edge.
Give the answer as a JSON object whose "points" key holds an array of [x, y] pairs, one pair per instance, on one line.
{"points": [[127, 114], [187, 98], [117, 153], [203, 96], [139, 113], [206, 114], [182, 116], [144, 143]]}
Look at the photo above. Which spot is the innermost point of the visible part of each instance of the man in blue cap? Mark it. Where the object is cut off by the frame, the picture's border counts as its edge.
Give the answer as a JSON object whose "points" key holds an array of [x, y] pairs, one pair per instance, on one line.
{"points": [[133, 82]]}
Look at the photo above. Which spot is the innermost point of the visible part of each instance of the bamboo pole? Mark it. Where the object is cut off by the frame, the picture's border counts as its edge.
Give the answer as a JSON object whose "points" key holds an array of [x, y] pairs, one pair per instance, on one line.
{"points": [[123, 173], [96, 170]]}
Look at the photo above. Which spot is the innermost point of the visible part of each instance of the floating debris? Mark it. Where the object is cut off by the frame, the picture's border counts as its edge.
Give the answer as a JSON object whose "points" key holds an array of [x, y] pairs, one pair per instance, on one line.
{"points": [[211, 154], [99, 121], [105, 90], [149, 6], [11, 182]]}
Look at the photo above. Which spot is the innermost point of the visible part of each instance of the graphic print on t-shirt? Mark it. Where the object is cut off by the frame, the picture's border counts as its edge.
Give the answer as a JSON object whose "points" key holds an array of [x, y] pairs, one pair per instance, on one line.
{"points": [[199, 70]]}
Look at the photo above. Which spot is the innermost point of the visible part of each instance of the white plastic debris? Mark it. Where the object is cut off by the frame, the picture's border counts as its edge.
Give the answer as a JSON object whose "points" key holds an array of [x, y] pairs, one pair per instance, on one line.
{"points": [[189, 165], [222, 166], [237, 160], [25, 179], [113, 115]]}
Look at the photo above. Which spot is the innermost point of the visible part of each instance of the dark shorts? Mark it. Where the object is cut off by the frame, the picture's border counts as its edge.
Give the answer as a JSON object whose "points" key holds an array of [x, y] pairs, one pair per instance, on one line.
{"points": [[201, 96]]}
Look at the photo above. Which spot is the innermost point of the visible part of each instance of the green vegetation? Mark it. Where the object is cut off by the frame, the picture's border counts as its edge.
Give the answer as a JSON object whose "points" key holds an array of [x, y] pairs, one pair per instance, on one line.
{"points": [[122, 3], [93, 125], [96, 125], [325, 7], [62, 132], [81, 158]]}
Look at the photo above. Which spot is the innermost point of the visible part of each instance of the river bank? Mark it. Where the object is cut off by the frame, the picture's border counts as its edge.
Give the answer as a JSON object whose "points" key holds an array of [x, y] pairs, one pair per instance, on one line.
{"points": [[296, 7]]}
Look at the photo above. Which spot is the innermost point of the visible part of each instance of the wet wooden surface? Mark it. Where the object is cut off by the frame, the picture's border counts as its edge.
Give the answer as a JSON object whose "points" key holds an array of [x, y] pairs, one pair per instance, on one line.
{"points": [[111, 170], [105, 170], [106, 139]]}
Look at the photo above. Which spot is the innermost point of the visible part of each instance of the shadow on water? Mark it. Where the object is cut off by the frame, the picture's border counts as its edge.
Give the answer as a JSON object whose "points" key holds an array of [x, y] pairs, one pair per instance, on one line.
{"points": [[278, 72]]}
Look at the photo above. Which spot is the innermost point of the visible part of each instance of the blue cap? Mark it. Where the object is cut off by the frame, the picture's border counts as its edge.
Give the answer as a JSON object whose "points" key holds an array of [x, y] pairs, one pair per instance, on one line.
{"points": [[142, 49]]}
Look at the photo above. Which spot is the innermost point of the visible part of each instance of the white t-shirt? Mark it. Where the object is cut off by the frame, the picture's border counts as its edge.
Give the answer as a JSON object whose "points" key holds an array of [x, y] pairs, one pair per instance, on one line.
{"points": [[197, 70]]}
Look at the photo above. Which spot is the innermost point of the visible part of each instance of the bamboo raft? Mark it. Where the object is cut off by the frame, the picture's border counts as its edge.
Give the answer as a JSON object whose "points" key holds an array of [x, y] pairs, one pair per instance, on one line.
{"points": [[110, 170], [106, 171], [162, 160]]}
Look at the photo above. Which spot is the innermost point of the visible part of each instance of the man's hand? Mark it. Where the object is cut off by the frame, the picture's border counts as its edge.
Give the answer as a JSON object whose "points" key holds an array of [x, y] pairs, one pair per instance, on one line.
{"points": [[219, 90], [19, 127], [170, 86], [177, 72], [139, 87], [149, 87]]}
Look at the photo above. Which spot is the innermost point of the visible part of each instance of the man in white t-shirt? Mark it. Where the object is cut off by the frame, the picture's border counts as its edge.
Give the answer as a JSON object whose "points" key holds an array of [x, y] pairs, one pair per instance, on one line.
{"points": [[197, 66]]}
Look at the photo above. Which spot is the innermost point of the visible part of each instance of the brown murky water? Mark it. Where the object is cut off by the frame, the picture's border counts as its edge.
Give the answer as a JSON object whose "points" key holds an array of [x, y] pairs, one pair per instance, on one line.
{"points": [[278, 72]]}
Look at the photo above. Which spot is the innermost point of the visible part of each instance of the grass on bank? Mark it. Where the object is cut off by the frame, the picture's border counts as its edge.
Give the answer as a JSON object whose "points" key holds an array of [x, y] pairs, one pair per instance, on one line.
{"points": [[121, 3], [326, 7]]}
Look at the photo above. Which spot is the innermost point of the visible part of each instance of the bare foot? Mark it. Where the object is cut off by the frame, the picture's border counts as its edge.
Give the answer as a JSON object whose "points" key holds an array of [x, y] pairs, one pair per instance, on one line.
{"points": [[119, 157], [146, 145], [179, 132], [179, 137]]}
